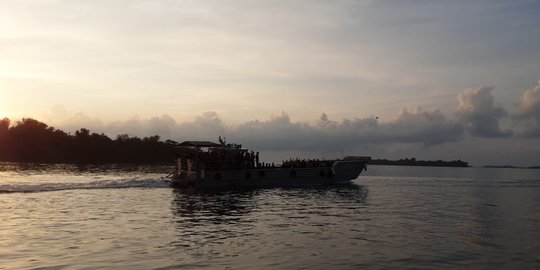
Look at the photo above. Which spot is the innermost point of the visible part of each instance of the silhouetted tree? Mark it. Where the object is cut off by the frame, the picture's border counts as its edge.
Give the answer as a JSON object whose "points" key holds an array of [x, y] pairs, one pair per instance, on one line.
{"points": [[82, 133], [4, 125], [29, 140]]}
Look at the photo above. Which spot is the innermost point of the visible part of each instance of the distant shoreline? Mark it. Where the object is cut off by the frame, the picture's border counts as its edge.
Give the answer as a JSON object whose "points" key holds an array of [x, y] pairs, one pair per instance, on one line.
{"points": [[436, 164], [423, 163], [510, 167]]}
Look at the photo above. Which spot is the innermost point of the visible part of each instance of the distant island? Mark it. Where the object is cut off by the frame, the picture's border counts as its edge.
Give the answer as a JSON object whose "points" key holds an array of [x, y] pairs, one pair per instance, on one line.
{"points": [[414, 162], [511, 167]]}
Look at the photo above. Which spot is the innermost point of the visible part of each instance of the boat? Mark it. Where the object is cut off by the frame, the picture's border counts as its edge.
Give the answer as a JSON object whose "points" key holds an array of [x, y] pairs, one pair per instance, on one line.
{"points": [[206, 164]]}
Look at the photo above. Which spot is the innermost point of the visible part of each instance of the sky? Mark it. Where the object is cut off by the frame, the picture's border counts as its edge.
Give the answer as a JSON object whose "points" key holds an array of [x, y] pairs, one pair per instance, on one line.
{"points": [[391, 79]]}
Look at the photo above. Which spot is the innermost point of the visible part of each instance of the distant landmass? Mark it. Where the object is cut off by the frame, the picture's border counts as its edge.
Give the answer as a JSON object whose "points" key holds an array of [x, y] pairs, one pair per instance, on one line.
{"points": [[502, 166], [511, 167], [414, 162], [30, 140]]}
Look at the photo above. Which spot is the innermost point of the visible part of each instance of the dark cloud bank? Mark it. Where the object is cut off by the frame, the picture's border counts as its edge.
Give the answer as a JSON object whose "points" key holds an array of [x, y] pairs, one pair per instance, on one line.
{"points": [[476, 117]]}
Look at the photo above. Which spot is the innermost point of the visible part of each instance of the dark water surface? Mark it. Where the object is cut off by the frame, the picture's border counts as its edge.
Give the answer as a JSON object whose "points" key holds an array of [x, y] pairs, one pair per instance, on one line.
{"points": [[125, 217]]}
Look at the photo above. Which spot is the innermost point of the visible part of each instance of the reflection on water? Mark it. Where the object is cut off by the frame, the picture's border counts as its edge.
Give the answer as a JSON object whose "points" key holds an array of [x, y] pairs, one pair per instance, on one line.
{"points": [[247, 225], [193, 203], [224, 204], [390, 218]]}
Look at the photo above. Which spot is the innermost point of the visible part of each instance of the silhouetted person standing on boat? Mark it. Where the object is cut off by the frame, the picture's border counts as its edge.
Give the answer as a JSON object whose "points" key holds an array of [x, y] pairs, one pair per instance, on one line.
{"points": [[257, 159], [222, 142]]}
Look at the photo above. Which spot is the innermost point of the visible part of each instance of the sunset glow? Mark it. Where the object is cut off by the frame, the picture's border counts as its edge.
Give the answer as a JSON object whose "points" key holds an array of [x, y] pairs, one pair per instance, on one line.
{"points": [[106, 65]]}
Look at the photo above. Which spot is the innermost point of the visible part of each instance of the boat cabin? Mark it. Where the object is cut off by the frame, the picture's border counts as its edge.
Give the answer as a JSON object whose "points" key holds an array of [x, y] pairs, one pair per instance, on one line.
{"points": [[206, 155]]}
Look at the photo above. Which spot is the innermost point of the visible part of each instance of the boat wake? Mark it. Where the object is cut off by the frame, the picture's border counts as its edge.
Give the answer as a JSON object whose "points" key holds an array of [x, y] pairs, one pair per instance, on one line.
{"points": [[101, 184]]}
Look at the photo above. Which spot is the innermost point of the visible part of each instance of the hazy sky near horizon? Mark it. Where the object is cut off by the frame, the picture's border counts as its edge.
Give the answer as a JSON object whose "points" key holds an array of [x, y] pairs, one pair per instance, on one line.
{"points": [[386, 77]]}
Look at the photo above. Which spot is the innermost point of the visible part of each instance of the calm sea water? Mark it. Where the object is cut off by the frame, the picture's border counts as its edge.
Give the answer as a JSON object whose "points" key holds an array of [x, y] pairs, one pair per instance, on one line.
{"points": [[125, 217]]}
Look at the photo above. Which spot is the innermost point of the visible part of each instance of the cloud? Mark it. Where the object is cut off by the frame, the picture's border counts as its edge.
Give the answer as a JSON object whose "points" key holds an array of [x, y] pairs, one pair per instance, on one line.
{"points": [[70, 121], [208, 126], [161, 125], [414, 132], [59, 112], [529, 112], [478, 113], [427, 127], [81, 120], [135, 126], [411, 126]]}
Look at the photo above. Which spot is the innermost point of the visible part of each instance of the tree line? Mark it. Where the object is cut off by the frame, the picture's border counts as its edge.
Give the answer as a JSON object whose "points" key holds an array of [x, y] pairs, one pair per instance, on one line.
{"points": [[29, 140]]}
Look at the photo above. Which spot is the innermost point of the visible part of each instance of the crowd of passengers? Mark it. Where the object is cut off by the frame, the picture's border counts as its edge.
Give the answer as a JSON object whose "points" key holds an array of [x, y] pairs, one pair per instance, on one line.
{"points": [[217, 160], [230, 160], [306, 163]]}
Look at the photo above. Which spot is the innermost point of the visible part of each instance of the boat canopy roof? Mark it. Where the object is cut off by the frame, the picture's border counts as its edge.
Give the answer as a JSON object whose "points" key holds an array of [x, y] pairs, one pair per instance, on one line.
{"points": [[199, 144]]}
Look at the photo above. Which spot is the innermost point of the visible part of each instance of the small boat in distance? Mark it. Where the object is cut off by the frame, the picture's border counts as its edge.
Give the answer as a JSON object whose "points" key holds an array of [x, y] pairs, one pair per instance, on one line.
{"points": [[205, 164]]}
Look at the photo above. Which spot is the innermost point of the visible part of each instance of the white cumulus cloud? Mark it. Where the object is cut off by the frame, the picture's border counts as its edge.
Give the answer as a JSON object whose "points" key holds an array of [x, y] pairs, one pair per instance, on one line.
{"points": [[529, 112], [479, 114]]}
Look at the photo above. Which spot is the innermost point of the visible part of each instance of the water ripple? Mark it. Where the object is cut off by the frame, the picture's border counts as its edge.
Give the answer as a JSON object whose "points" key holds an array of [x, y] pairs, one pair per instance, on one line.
{"points": [[392, 218]]}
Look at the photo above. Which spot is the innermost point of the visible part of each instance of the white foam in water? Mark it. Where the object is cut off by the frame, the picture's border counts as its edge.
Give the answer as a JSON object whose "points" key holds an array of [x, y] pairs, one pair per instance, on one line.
{"points": [[102, 184]]}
